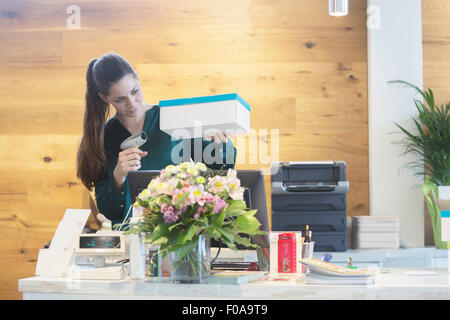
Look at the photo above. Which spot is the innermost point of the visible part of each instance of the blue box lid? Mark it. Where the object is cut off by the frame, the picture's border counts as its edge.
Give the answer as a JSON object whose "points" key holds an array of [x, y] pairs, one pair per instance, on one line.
{"points": [[215, 98], [445, 213]]}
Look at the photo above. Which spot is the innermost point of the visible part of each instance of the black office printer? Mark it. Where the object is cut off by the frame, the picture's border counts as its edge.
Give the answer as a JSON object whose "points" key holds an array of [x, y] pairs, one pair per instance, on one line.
{"points": [[314, 194]]}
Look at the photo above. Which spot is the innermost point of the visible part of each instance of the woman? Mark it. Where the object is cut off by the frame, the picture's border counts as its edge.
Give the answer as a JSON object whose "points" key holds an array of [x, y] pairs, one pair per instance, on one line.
{"points": [[101, 164]]}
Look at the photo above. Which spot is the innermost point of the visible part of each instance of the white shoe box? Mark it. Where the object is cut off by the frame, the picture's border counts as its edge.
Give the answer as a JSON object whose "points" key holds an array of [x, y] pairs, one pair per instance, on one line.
{"points": [[192, 117]]}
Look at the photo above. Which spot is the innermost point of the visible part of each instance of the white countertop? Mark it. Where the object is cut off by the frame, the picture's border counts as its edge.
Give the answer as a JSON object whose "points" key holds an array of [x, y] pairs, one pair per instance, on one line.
{"points": [[393, 285]]}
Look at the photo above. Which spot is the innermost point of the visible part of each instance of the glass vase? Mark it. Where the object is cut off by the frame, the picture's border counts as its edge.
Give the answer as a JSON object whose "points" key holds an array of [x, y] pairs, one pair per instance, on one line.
{"points": [[193, 266]]}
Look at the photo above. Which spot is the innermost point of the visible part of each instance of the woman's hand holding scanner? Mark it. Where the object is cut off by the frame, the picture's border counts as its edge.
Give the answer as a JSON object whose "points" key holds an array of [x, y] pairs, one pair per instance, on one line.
{"points": [[129, 160], [135, 140]]}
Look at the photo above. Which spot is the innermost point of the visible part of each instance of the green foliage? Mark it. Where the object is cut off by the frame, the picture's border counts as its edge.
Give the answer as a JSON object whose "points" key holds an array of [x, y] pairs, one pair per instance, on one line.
{"points": [[232, 225], [430, 139], [209, 203]]}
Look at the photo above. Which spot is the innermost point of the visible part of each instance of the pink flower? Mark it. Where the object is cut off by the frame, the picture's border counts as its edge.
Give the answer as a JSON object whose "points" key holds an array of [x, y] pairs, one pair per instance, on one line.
{"points": [[204, 198], [181, 210], [219, 204], [169, 213], [198, 212]]}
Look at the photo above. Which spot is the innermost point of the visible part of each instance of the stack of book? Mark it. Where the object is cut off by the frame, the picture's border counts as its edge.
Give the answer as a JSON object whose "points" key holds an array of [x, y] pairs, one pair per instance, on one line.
{"points": [[234, 277], [373, 232], [321, 272]]}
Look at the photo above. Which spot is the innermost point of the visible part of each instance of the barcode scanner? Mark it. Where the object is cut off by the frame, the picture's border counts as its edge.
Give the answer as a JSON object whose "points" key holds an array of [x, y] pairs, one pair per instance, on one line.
{"points": [[134, 141]]}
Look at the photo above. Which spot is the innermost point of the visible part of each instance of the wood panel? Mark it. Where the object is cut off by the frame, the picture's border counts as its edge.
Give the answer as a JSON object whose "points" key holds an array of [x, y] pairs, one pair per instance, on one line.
{"points": [[436, 65], [302, 71]]}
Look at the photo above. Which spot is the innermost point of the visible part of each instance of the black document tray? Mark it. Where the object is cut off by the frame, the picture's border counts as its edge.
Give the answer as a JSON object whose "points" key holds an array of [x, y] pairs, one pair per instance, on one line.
{"points": [[297, 221], [310, 202], [330, 241], [309, 186]]}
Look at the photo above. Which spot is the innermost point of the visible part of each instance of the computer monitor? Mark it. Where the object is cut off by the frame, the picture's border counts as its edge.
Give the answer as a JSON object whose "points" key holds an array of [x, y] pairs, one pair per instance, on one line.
{"points": [[139, 180], [254, 196]]}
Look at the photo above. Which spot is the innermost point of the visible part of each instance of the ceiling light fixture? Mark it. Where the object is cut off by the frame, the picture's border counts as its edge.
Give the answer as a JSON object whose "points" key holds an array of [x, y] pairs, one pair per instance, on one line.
{"points": [[338, 8]]}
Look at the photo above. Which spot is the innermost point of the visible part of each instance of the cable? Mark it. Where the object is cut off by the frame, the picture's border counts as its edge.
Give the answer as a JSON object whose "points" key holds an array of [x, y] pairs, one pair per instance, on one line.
{"points": [[218, 251], [126, 216]]}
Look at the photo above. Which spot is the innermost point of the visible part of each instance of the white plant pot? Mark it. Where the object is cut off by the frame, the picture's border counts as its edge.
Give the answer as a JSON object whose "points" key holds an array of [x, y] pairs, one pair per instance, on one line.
{"points": [[444, 192]]}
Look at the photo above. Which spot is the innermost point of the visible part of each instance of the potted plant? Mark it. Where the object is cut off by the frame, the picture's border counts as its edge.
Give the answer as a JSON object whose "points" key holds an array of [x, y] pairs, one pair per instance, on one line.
{"points": [[431, 141], [187, 205]]}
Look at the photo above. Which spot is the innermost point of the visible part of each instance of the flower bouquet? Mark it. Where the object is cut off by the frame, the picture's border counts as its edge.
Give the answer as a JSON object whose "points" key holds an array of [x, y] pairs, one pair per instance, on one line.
{"points": [[187, 205]]}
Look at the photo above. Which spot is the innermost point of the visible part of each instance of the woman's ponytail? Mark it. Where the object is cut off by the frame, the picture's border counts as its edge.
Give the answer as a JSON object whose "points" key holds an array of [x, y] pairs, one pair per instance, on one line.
{"points": [[101, 74], [91, 159]]}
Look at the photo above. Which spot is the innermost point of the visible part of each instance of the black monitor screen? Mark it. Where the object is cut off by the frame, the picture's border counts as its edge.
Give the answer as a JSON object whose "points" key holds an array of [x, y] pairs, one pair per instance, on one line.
{"points": [[103, 242]]}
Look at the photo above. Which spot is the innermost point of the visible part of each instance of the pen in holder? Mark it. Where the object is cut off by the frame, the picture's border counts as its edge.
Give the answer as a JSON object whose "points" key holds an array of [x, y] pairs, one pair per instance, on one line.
{"points": [[307, 252]]}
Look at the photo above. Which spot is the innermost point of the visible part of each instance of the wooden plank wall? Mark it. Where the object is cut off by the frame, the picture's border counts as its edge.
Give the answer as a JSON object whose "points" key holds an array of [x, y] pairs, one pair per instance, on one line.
{"points": [[436, 62], [302, 71]]}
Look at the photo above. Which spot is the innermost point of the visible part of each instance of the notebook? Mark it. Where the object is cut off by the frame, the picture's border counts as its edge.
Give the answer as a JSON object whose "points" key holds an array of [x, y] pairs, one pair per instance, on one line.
{"points": [[321, 272]]}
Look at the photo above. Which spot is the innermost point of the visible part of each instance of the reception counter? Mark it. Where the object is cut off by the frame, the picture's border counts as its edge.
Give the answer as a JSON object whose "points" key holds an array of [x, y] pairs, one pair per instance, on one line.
{"points": [[393, 283]]}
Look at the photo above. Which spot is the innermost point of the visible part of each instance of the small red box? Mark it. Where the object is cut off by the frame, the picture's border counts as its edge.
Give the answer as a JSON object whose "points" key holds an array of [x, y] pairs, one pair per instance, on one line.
{"points": [[287, 253]]}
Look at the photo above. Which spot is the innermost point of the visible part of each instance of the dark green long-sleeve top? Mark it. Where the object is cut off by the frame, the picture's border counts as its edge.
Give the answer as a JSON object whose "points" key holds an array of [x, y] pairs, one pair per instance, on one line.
{"points": [[114, 203]]}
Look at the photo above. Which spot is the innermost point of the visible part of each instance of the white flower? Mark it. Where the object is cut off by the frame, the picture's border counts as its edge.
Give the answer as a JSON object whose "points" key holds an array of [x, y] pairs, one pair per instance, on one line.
{"points": [[144, 195], [237, 194], [216, 184], [170, 169], [231, 173], [200, 166], [184, 165], [181, 175], [200, 180], [192, 171]]}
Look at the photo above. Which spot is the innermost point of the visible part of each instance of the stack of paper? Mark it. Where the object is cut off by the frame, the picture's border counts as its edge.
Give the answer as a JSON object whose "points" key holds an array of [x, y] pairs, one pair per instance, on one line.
{"points": [[370, 232], [106, 273], [321, 272], [234, 277]]}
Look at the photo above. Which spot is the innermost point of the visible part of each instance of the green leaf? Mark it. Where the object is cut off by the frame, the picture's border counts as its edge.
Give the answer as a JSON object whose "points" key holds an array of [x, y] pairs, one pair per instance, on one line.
{"points": [[429, 138], [184, 250], [251, 212], [213, 233], [161, 230], [175, 225], [244, 241], [141, 202], [218, 221], [247, 224], [160, 240], [229, 244], [236, 208], [429, 188], [186, 235], [199, 229], [236, 205], [226, 234]]}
